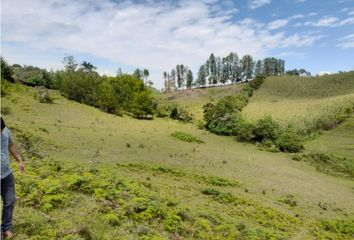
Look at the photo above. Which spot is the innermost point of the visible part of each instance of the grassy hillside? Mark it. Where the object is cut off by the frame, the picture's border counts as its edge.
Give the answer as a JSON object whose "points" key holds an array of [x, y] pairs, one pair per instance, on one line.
{"points": [[93, 175], [338, 141], [306, 103], [194, 99]]}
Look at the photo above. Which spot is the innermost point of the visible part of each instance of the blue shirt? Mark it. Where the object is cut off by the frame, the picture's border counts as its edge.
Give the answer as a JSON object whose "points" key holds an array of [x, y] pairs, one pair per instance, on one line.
{"points": [[5, 158]]}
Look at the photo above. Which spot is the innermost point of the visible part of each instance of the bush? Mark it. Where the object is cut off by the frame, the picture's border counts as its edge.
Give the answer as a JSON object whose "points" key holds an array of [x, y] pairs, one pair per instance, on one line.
{"points": [[223, 117], [245, 131], [289, 199], [257, 82], [266, 128], [111, 219], [179, 113], [44, 96], [143, 106], [6, 71], [163, 108], [289, 141], [248, 90]]}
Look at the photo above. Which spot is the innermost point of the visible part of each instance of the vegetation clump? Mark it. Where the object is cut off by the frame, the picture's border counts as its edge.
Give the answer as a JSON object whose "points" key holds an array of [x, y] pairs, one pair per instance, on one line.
{"points": [[186, 137], [330, 164], [224, 118], [179, 113], [289, 199], [44, 96]]}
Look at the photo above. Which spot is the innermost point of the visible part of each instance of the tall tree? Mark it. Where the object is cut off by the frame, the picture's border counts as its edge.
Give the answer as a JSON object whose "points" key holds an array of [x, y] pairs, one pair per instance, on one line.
{"points": [[146, 75], [87, 66], [212, 69], [69, 63], [167, 83], [173, 79], [236, 68], [201, 80], [219, 70], [181, 75], [189, 79], [247, 67], [138, 73], [273, 66], [258, 69]]}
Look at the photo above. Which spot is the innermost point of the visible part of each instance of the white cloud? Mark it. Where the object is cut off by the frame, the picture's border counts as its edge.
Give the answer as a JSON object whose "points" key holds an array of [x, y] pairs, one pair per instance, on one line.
{"points": [[346, 42], [323, 22], [153, 35], [300, 40], [330, 22], [299, 55], [297, 16], [351, 13], [253, 4], [277, 24], [346, 21]]}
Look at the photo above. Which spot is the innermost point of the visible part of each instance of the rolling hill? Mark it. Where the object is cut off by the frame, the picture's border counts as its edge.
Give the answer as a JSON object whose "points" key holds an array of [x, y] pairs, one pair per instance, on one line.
{"points": [[93, 175], [307, 103]]}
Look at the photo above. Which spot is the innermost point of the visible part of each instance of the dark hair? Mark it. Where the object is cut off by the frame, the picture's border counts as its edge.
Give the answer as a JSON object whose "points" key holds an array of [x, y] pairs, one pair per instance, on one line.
{"points": [[2, 124]]}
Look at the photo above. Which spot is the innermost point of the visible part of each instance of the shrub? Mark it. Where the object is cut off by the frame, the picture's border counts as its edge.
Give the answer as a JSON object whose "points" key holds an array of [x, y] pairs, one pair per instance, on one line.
{"points": [[289, 141], [163, 108], [297, 157], [143, 106], [248, 90], [222, 118], [266, 128], [173, 223], [179, 113], [289, 200], [257, 82], [111, 219], [186, 137], [245, 131], [44, 96]]}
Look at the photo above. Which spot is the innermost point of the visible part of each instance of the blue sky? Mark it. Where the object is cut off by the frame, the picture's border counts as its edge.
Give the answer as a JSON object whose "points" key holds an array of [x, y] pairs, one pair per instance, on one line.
{"points": [[317, 35]]}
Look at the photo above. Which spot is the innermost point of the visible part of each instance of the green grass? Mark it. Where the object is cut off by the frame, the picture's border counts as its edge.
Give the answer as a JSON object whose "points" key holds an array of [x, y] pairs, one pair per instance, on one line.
{"points": [[122, 178], [186, 137], [309, 104], [333, 151]]}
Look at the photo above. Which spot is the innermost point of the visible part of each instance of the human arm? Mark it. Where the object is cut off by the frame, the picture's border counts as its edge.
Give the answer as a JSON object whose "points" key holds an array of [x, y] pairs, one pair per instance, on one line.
{"points": [[16, 154]]}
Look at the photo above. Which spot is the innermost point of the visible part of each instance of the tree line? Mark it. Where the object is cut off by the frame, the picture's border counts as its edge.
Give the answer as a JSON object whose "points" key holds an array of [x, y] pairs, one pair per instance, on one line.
{"points": [[124, 93], [225, 70]]}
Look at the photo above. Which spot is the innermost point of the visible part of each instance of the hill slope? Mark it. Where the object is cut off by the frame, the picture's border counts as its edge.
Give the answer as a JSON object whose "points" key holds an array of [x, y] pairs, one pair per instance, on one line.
{"points": [[109, 177], [307, 103], [194, 99]]}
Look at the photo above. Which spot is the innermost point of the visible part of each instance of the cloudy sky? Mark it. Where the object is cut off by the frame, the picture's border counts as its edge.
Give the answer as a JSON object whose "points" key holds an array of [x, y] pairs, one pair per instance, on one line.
{"points": [[317, 35]]}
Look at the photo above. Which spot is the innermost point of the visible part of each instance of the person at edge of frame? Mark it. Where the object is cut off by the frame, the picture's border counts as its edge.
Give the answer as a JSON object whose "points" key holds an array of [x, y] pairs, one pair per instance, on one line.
{"points": [[8, 196]]}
